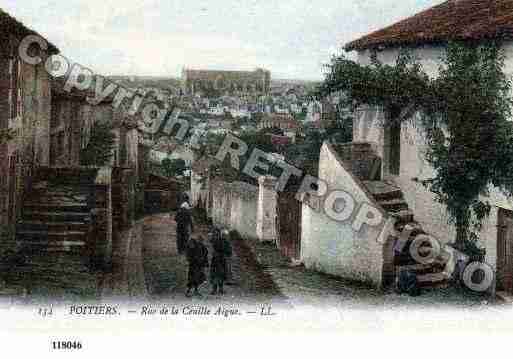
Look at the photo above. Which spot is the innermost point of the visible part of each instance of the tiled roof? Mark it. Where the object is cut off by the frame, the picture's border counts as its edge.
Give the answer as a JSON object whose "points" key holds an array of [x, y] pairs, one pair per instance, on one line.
{"points": [[10, 25], [451, 20], [282, 119]]}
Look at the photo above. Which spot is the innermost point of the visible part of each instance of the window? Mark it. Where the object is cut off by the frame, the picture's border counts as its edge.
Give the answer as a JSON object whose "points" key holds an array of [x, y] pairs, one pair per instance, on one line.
{"points": [[60, 144]]}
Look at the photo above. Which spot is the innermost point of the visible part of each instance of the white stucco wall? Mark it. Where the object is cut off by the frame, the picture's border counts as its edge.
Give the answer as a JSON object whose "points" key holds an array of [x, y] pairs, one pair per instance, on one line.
{"points": [[199, 190], [234, 206], [244, 212], [433, 217], [267, 209], [334, 247]]}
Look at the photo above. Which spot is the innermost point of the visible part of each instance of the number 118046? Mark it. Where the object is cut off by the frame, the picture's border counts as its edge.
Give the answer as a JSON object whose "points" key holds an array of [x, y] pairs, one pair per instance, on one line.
{"points": [[66, 345]]}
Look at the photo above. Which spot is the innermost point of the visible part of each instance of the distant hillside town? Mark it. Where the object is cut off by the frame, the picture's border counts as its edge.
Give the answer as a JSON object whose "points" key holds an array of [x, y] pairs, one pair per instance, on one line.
{"points": [[239, 102]]}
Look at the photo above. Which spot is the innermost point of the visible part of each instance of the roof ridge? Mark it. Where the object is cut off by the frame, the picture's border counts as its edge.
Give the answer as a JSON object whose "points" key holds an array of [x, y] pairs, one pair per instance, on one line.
{"points": [[21, 30], [449, 20]]}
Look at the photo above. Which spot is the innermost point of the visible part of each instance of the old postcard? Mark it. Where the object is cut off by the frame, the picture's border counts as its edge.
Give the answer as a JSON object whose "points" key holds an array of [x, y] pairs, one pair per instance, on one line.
{"points": [[217, 177]]}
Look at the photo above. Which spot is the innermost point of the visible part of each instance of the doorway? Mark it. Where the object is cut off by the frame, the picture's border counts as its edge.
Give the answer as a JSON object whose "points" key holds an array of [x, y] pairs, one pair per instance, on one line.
{"points": [[505, 251], [289, 216], [395, 148]]}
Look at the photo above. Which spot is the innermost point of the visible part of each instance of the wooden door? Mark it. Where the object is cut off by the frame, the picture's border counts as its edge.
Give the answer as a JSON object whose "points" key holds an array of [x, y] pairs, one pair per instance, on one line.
{"points": [[505, 251], [395, 148], [11, 211], [289, 225]]}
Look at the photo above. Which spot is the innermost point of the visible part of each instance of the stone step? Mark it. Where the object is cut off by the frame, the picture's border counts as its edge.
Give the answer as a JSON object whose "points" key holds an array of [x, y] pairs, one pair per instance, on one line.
{"points": [[53, 226], [57, 197], [56, 216], [65, 175], [54, 260], [504, 297], [67, 277], [415, 227], [383, 191], [394, 205], [421, 269], [404, 216], [8, 293], [61, 207], [433, 278], [51, 237], [61, 189], [45, 246], [71, 266]]}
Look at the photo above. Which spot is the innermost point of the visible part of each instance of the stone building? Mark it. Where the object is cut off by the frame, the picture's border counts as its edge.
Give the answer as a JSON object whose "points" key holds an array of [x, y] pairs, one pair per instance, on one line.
{"points": [[49, 204], [25, 109], [71, 123], [284, 121], [195, 81], [397, 155], [73, 118]]}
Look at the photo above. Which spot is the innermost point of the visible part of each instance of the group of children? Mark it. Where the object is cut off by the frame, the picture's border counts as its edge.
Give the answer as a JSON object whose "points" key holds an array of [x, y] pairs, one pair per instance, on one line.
{"points": [[220, 263], [196, 252]]}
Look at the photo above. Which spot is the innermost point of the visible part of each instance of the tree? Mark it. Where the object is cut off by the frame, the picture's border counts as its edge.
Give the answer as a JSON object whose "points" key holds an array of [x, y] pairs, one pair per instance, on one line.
{"points": [[473, 105], [340, 129], [465, 113], [271, 131], [174, 167], [6, 135], [301, 116], [99, 150]]}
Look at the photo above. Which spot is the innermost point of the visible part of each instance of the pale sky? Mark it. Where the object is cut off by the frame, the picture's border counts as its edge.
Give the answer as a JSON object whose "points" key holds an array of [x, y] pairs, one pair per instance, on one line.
{"points": [[292, 38]]}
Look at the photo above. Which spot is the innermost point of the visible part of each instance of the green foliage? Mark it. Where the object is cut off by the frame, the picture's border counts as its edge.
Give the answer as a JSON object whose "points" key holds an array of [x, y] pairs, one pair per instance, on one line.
{"points": [[300, 117], [99, 150], [271, 131], [475, 150], [394, 87], [341, 130], [469, 132], [174, 168], [6, 135], [209, 144], [306, 151], [260, 140], [470, 246], [464, 111]]}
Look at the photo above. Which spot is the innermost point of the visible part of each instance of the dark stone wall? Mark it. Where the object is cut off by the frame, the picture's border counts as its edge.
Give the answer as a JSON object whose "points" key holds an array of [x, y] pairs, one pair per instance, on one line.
{"points": [[31, 124]]}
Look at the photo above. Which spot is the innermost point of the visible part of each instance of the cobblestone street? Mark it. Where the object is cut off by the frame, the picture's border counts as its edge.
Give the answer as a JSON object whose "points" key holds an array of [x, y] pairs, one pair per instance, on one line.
{"points": [[147, 267], [261, 274], [166, 271]]}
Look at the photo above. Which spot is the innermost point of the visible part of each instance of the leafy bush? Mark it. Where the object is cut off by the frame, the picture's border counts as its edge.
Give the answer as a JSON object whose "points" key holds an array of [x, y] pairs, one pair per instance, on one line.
{"points": [[174, 168], [470, 246], [465, 112], [99, 150], [6, 135]]}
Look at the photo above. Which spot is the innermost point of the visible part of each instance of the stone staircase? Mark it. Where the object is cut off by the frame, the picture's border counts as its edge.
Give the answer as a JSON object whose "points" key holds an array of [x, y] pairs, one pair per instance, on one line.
{"points": [[54, 234], [390, 198], [55, 218], [56, 215]]}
